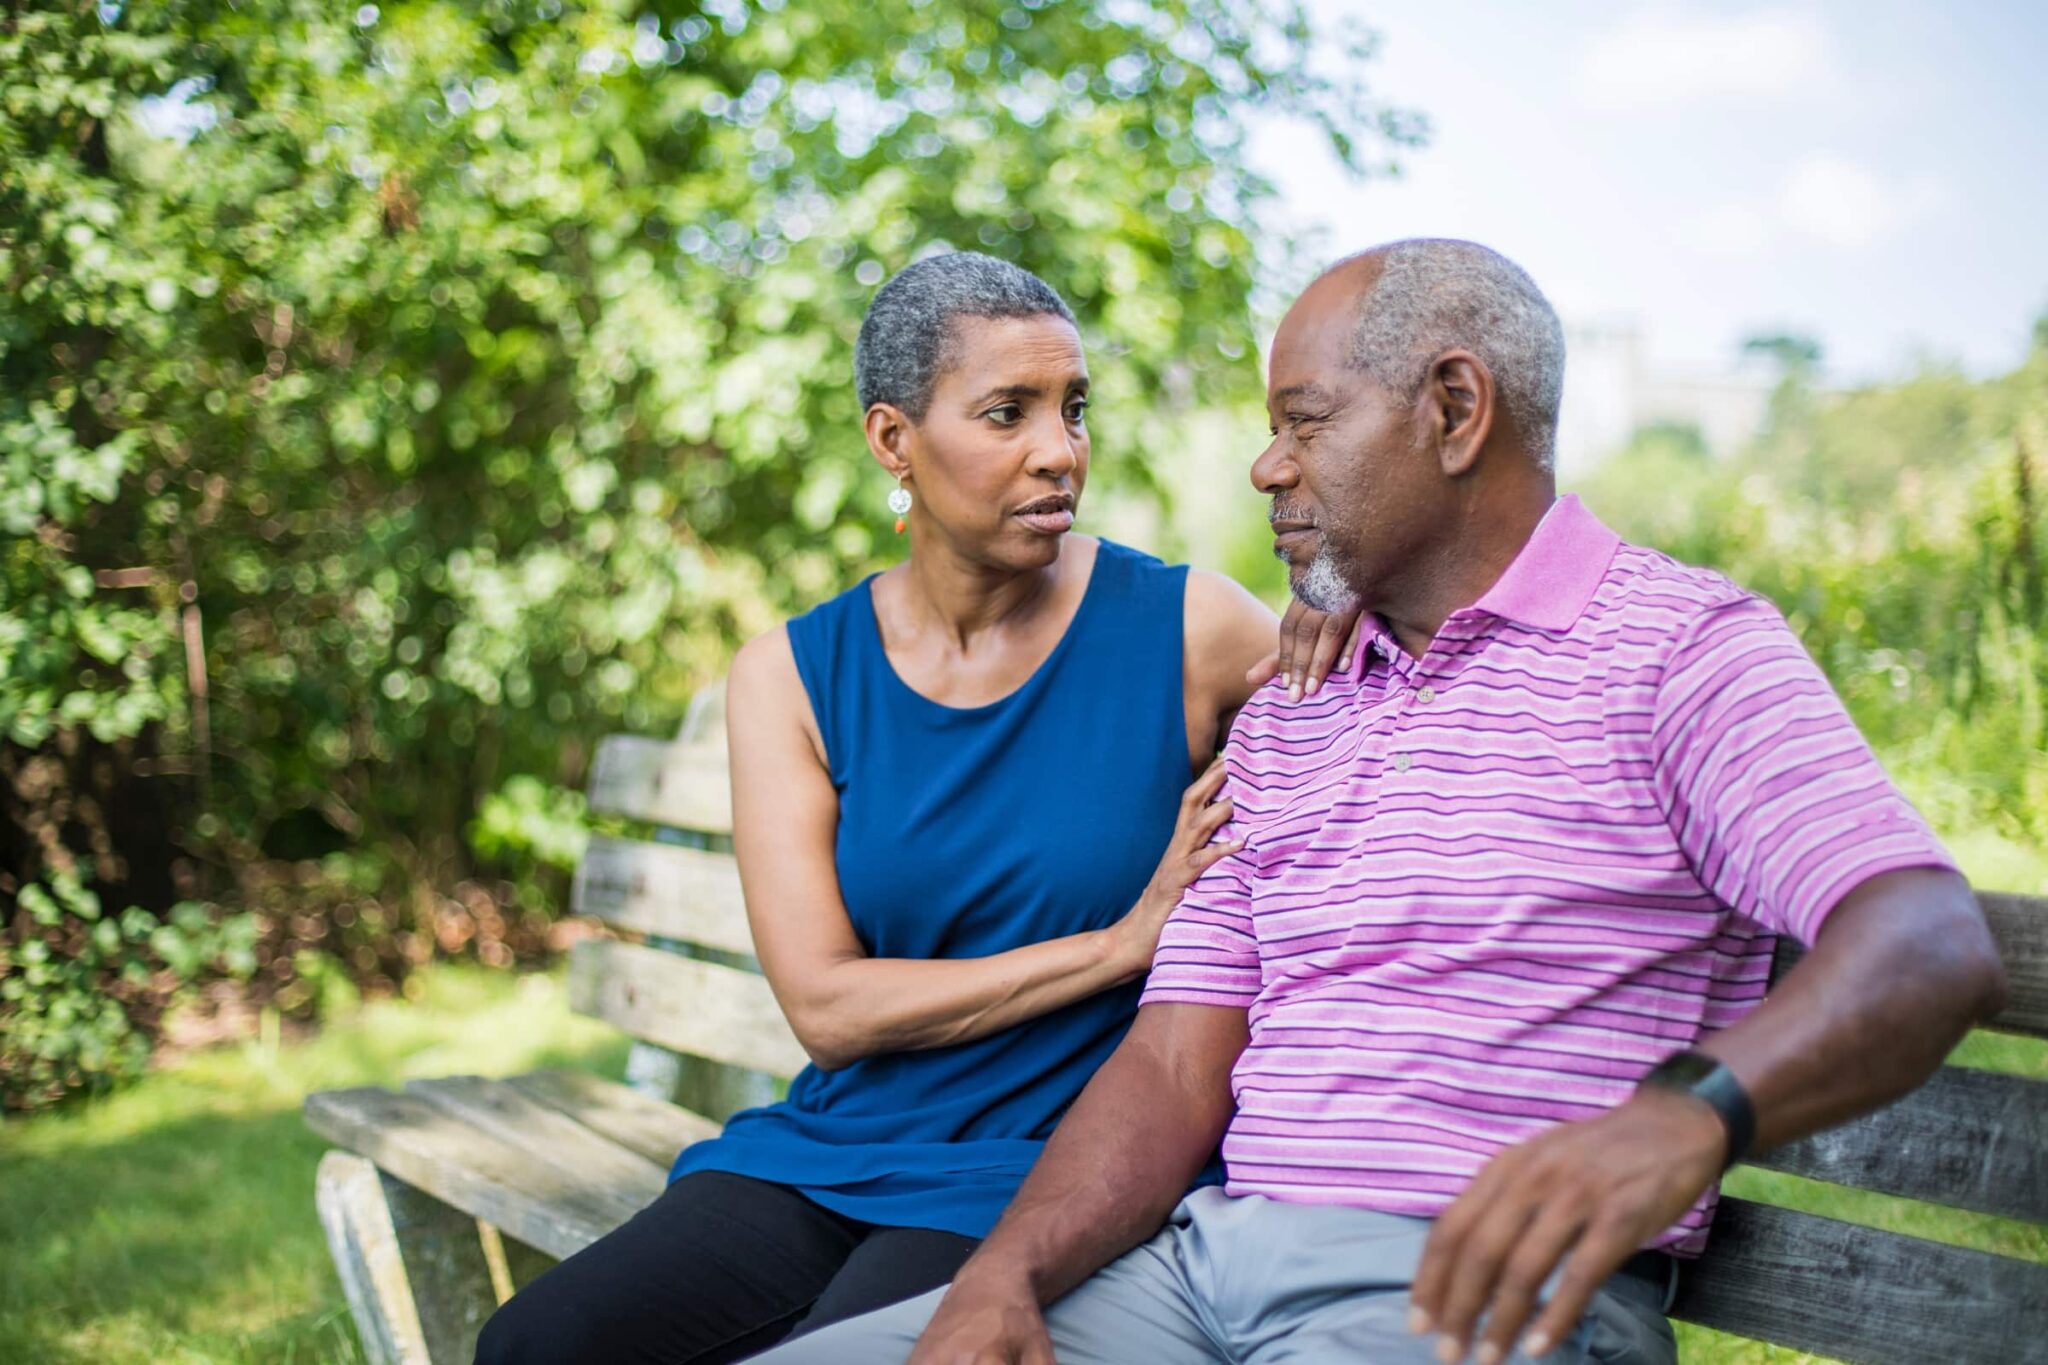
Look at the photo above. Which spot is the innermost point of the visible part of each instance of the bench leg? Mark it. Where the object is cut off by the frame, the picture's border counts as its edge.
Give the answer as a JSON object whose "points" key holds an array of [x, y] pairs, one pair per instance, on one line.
{"points": [[513, 1263], [364, 1245], [413, 1267]]}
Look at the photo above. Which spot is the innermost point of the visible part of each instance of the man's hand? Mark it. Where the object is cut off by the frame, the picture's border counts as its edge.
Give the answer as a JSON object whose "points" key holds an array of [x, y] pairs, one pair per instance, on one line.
{"points": [[985, 1319], [1593, 1191], [1311, 644]]}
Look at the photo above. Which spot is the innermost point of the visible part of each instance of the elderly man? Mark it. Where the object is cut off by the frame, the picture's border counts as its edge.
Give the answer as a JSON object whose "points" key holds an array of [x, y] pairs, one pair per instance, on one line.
{"points": [[1477, 1010]]}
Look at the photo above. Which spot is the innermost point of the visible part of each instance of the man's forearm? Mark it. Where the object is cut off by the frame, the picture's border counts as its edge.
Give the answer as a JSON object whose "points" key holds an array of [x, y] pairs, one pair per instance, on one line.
{"points": [[1124, 1154], [1900, 970]]}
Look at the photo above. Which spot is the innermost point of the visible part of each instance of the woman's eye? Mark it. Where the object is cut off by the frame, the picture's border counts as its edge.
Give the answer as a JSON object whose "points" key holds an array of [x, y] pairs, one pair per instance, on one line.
{"points": [[1008, 415], [1077, 409]]}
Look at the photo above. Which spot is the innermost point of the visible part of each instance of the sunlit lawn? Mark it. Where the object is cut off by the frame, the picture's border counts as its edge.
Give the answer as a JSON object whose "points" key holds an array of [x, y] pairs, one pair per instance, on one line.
{"points": [[173, 1222]]}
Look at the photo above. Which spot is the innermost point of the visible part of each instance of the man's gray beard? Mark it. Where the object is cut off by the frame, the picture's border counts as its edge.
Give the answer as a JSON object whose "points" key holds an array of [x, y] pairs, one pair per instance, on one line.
{"points": [[1322, 587]]}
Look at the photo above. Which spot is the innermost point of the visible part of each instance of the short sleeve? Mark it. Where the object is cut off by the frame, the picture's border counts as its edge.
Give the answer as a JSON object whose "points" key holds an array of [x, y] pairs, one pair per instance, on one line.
{"points": [[1207, 953], [1775, 798]]}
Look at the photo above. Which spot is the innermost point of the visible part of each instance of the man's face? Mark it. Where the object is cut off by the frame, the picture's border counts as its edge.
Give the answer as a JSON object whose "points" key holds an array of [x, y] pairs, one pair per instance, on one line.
{"points": [[1349, 469]]}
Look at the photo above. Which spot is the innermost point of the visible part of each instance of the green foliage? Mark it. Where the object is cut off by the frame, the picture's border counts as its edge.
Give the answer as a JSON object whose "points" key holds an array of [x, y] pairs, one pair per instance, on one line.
{"points": [[1898, 527], [1791, 350], [70, 983], [394, 399]]}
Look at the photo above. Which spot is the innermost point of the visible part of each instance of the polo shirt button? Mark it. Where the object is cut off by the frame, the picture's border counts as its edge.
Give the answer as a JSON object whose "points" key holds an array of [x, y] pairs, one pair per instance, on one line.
{"points": [[1425, 694], [1401, 762]]}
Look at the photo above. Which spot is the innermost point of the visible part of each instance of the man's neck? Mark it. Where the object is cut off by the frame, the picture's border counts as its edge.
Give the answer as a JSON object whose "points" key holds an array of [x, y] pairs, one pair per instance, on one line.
{"points": [[1489, 534]]}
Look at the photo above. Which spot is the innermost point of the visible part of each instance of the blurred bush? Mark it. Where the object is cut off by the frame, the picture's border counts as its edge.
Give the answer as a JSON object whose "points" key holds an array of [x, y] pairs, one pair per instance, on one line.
{"points": [[1899, 529], [396, 398]]}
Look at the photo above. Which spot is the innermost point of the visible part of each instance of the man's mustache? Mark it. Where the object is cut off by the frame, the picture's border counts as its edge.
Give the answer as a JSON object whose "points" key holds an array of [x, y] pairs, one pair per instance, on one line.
{"points": [[1288, 511]]}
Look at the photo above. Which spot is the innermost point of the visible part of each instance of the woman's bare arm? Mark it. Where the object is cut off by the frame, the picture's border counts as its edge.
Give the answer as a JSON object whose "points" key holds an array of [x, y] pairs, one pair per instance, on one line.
{"points": [[843, 1004], [1226, 632]]}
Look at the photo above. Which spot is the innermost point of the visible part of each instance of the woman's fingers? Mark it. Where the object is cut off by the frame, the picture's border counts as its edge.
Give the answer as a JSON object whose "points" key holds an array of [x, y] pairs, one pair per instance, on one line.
{"points": [[1203, 789], [1202, 859], [1306, 624], [1313, 645], [1334, 640], [1213, 817], [1295, 643], [1197, 793]]}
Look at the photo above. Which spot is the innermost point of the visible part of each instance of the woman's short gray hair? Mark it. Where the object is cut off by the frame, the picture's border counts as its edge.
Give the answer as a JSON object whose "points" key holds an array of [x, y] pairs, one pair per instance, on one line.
{"points": [[907, 339], [1434, 295]]}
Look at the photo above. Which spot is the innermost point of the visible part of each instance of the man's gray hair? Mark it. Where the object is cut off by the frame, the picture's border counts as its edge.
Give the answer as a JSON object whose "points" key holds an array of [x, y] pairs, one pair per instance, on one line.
{"points": [[908, 340], [1434, 295]]}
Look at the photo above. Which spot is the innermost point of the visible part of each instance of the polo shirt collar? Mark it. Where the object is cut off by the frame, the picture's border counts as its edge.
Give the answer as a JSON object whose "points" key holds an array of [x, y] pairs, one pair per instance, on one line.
{"points": [[1557, 572]]}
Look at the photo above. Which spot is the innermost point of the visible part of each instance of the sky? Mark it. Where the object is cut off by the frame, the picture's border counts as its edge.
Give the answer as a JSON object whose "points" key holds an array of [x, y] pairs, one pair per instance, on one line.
{"points": [[1874, 175]]}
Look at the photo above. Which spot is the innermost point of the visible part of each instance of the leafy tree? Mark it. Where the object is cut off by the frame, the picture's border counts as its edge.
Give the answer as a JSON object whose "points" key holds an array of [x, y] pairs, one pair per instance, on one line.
{"points": [[395, 398], [1790, 350]]}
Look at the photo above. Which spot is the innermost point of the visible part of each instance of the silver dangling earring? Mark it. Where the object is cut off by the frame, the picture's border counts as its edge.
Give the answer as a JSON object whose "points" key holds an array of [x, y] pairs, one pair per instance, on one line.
{"points": [[899, 503]]}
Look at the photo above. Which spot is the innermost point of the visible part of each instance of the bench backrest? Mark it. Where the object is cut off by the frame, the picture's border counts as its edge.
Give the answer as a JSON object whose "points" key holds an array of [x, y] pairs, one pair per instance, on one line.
{"points": [[684, 979], [1969, 1139]]}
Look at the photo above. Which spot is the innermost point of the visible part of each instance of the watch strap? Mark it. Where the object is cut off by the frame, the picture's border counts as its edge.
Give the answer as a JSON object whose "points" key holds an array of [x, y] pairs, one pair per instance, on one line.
{"points": [[1696, 1073]]}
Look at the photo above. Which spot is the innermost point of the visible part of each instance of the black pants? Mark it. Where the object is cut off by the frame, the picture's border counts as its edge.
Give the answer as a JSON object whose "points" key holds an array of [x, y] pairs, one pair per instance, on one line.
{"points": [[718, 1268]]}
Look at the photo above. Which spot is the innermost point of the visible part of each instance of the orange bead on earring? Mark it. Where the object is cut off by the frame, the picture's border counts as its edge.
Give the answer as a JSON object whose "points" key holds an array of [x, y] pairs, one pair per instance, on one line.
{"points": [[899, 503]]}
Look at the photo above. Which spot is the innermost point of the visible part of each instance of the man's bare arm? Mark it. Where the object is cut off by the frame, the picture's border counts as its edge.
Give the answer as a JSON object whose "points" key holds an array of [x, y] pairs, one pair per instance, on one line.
{"points": [[1900, 970], [1118, 1163]]}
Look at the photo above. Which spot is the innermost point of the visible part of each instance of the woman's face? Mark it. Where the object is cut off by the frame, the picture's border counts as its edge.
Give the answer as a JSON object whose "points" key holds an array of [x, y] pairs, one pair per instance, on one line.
{"points": [[998, 463]]}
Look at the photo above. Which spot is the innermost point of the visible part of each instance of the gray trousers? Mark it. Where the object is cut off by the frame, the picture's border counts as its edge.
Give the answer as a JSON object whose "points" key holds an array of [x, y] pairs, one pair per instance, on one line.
{"points": [[1249, 1281]]}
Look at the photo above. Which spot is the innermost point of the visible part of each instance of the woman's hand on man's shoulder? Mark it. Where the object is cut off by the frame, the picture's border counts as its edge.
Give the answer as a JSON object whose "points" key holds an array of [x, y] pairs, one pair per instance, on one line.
{"points": [[1313, 644], [1235, 638]]}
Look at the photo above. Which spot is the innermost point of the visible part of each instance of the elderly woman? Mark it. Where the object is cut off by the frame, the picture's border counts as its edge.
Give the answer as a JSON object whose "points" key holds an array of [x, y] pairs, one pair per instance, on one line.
{"points": [[959, 815]]}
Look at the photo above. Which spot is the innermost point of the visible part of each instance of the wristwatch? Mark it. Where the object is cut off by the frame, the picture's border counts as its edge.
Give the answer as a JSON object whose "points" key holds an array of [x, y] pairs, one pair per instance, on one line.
{"points": [[1696, 1073]]}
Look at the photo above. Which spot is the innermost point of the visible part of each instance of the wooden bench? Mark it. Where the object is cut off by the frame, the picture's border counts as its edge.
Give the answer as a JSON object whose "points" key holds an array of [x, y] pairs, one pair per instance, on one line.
{"points": [[446, 1196]]}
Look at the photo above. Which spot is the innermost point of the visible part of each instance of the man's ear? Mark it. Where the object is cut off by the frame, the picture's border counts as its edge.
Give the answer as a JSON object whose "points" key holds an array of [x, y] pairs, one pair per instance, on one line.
{"points": [[889, 432], [1460, 390]]}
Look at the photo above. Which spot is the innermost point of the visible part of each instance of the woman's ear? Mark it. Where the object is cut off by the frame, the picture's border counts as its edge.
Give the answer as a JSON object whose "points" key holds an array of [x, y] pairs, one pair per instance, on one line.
{"points": [[889, 434], [1461, 392]]}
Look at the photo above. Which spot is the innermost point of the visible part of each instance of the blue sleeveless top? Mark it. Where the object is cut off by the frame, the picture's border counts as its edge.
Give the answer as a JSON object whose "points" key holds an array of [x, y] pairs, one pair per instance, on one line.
{"points": [[963, 832]]}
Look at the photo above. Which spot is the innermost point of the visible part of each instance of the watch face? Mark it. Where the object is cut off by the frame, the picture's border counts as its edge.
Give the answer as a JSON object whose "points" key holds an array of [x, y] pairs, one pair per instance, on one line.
{"points": [[1684, 1068]]}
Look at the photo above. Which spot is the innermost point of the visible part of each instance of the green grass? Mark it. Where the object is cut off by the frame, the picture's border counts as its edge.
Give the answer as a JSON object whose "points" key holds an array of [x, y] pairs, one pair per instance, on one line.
{"points": [[173, 1221]]}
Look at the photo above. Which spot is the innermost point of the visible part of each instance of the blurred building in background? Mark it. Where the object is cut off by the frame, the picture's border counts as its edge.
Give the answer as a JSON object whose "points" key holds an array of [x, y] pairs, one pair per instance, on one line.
{"points": [[1613, 389]]}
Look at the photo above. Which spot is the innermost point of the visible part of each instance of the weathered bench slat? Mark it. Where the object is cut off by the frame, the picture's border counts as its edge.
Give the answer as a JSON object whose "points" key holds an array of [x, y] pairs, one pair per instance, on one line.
{"points": [[2019, 925], [499, 1111], [664, 890], [544, 1204], [682, 785], [639, 1123], [1968, 1139], [1861, 1295], [697, 1007]]}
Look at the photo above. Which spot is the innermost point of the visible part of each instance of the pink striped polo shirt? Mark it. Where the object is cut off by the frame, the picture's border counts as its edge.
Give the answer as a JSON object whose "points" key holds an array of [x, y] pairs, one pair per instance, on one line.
{"points": [[1485, 890]]}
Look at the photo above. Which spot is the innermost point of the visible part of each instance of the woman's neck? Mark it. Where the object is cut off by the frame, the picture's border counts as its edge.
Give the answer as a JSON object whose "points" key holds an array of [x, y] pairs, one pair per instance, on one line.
{"points": [[947, 592]]}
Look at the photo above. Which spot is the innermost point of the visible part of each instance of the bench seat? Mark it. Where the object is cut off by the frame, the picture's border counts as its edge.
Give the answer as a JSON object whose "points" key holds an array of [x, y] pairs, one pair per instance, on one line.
{"points": [[555, 1159]]}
